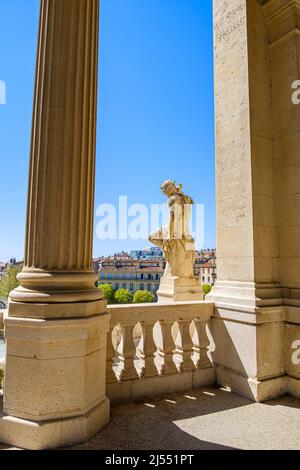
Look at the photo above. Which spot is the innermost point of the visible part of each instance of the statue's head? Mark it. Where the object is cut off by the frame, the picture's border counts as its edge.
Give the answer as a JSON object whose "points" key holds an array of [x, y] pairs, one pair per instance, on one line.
{"points": [[168, 187]]}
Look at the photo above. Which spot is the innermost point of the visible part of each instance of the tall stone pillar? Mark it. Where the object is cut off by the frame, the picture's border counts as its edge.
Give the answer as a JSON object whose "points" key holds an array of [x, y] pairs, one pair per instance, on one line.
{"points": [[283, 22], [249, 324], [56, 328]]}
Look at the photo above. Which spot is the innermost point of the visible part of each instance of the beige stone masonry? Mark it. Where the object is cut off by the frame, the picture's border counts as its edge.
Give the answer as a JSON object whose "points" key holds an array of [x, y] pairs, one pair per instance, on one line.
{"points": [[65, 353], [159, 348], [58, 249], [256, 60], [57, 323]]}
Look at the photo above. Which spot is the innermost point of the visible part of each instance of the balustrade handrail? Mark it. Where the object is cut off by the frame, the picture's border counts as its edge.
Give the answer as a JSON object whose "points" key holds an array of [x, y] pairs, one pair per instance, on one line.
{"points": [[156, 312]]}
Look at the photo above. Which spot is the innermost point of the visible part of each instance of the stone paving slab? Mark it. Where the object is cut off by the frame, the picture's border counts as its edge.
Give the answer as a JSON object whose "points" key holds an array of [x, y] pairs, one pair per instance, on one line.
{"points": [[201, 419], [204, 419]]}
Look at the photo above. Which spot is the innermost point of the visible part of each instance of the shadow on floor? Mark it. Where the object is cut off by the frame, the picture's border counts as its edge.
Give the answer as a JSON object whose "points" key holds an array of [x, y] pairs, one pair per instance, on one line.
{"points": [[152, 424], [287, 400]]}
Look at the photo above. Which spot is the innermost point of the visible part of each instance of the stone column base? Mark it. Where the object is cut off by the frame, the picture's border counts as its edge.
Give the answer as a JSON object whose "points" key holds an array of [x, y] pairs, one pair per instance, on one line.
{"points": [[176, 289], [55, 380], [251, 388], [32, 435], [257, 350], [249, 329]]}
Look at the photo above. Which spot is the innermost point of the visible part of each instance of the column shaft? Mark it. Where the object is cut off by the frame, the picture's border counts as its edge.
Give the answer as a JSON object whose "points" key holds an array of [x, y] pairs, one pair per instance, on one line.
{"points": [[59, 234]]}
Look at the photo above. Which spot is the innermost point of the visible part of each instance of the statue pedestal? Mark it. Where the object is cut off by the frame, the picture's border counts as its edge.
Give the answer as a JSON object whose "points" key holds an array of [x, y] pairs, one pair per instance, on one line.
{"points": [[179, 289]]}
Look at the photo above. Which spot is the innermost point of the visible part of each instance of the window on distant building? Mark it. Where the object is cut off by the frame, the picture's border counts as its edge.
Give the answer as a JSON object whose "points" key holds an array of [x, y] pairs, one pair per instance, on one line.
{"points": [[124, 286], [157, 277], [156, 287], [102, 275], [131, 276], [117, 286], [142, 287], [117, 276], [131, 287], [208, 280], [149, 287], [124, 276], [109, 276], [203, 278]]}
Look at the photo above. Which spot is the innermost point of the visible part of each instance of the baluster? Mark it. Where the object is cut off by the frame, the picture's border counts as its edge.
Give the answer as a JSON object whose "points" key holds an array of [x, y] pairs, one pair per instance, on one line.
{"points": [[110, 357], [186, 348], [166, 352], [201, 345], [147, 349], [127, 350]]}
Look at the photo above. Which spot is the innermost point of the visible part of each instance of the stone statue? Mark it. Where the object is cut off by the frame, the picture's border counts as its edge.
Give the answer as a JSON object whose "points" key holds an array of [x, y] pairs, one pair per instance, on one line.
{"points": [[178, 281]]}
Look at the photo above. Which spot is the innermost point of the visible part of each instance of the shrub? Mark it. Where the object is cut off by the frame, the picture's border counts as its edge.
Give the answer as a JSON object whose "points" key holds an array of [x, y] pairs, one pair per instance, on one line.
{"points": [[9, 281], [206, 288], [109, 293], [123, 296], [143, 297]]}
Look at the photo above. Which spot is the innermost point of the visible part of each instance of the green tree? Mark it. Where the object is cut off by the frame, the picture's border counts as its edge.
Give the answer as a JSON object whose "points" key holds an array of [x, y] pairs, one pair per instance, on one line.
{"points": [[123, 296], [9, 281], [206, 288], [143, 297], [109, 293]]}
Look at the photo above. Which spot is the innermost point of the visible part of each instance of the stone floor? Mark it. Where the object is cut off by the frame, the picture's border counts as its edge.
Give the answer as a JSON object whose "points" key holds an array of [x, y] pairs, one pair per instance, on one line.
{"points": [[200, 419]]}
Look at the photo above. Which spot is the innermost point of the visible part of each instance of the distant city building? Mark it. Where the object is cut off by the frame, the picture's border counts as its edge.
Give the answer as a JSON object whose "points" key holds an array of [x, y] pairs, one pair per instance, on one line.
{"points": [[143, 269], [96, 263], [206, 272], [147, 253], [205, 255], [125, 272], [13, 263]]}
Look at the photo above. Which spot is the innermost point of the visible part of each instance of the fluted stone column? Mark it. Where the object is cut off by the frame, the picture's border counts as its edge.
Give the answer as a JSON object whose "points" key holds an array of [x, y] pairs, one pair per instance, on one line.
{"points": [[58, 249], [57, 323]]}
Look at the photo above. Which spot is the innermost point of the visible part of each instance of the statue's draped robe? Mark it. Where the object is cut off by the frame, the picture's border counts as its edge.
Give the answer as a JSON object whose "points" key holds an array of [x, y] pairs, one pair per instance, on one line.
{"points": [[175, 239]]}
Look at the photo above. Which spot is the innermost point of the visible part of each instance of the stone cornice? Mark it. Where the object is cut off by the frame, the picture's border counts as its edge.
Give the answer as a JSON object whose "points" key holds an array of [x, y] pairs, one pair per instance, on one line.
{"points": [[275, 8], [282, 17]]}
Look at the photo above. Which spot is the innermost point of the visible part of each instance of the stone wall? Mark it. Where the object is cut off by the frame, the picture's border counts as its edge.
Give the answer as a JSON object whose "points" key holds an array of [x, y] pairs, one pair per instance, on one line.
{"points": [[258, 227]]}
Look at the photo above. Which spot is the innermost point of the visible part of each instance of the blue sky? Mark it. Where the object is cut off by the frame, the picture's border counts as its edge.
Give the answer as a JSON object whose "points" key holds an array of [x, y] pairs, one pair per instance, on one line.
{"points": [[155, 114]]}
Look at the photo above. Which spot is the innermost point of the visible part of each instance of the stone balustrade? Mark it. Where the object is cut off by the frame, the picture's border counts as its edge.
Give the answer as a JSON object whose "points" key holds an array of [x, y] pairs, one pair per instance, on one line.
{"points": [[154, 349]]}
